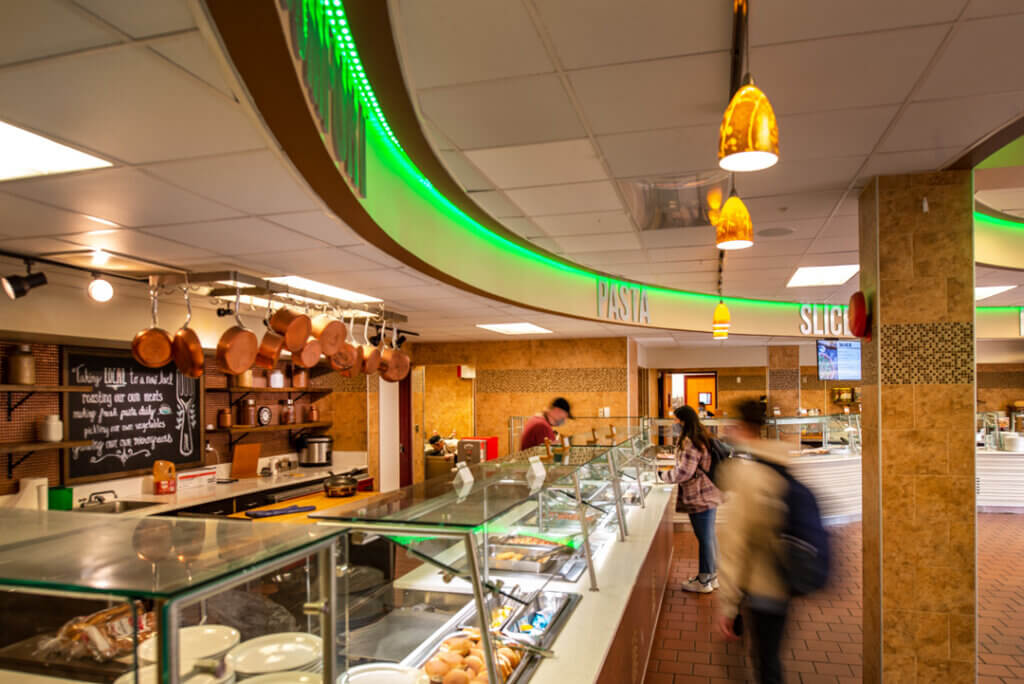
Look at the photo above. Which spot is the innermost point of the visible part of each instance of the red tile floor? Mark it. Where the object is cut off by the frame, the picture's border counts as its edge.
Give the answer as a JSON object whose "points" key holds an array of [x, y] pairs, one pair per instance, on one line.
{"points": [[824, 635]]}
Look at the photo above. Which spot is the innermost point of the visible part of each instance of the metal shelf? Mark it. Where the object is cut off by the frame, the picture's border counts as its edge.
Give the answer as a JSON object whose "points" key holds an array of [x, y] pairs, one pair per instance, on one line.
{"points": [[29, 448], [29, 390], [242, 431]]}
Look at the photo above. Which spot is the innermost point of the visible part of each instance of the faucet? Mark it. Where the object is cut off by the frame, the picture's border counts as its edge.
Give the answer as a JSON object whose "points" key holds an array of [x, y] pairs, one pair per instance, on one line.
{"points": [[98, 497]]}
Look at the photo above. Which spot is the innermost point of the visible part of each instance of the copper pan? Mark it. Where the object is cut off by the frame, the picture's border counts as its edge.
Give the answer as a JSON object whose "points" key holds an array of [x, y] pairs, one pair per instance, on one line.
{"points": [[371, 354], [237, 347], [186, 348], [270, 348], [399, 363], [295, 327], [309, 355], [348, 360], [152, 347], [331, 333]]}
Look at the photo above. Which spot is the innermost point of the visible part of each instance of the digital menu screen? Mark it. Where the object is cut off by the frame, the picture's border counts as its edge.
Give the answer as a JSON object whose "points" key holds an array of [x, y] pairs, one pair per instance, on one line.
{"points": [[838, 359]]}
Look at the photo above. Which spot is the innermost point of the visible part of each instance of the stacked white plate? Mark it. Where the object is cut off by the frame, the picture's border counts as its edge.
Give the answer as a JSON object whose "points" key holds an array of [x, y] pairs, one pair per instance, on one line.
{"points": [[274, 653], [383, 673], [148, 675], [286, 678], [199, 641]]}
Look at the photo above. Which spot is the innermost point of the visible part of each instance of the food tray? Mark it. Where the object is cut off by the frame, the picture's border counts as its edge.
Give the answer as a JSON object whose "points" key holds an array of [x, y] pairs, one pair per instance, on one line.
{"points": [[553, 605], [536, 559]]}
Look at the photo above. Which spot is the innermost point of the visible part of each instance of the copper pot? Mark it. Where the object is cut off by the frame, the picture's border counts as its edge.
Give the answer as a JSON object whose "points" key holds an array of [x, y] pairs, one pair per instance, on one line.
{"points": [[371, 354], [348, 360], [152, 347], [331, 333], [186, 348], [295, 327], [269, 350], [237, 347], [309, 355]]}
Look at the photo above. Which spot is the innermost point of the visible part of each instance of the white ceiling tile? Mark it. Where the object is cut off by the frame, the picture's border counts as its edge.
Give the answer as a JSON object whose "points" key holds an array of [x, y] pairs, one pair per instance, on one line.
{"points": [[254, 182], [589, 223], [736, 267], [592, 243], [829, 259], [840, 243], [515, 111], [495, 203], [566, 199], [20, 217], [684, 253], [850, 205], [916, 161], [548, 244], [594, 32], [601, 260], [368, 282], [687, 280], [376, 255], [834, 72], [789, 20], [523, 227], [566, 161], [696, 268], [414, 294], [126, 103], [792, 207], [467, 175], [802, 228], [985, 8], [312, 261], [982, 56], [844, 133], [665, 151], [141, 245], [139, 19], [953, 123], [317, 224], [191, 53], [437, 139], [766, 248], [236, 236], [125, 196], [462, 41], [765, 276], [700, 238], [665, 93], [840, 225], [35, 245], [66, 30], [796, 175]]}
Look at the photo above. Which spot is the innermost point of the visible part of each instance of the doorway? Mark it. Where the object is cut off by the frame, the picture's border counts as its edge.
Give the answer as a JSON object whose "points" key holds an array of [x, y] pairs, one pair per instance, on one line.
{"points": [[690, 389]]}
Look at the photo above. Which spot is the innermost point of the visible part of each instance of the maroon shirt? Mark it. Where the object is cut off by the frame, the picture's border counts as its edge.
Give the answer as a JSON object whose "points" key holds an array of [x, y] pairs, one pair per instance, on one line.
{"points": [[535, 431]]}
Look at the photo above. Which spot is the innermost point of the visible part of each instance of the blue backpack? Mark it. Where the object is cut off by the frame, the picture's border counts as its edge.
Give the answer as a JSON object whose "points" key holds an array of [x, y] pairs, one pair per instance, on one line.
{"points": [[805, 558]]}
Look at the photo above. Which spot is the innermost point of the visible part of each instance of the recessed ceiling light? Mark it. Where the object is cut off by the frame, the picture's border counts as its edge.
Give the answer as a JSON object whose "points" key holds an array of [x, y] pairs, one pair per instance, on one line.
{"points": [[99, 257], [104, 221], [990, 291], [325, 289], [819, 276], [27, 154], [514, 328]]}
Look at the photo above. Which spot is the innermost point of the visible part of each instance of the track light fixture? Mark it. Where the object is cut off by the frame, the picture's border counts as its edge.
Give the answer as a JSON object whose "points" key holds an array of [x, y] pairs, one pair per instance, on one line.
{"points": [[17, 286]]}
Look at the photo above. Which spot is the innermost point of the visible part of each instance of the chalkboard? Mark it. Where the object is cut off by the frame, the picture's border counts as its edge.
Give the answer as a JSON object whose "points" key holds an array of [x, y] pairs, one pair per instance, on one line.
{"points": [[134, 416]]}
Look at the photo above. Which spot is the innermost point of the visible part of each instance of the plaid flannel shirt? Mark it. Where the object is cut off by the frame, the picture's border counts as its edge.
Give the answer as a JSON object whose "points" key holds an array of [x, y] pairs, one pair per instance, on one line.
{"points": [[697, 493]]}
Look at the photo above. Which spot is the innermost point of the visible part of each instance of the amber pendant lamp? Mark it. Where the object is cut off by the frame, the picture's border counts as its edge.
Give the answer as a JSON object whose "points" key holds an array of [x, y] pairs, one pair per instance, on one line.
{"points": [[748, 139], [734, 229], [720, 320]]}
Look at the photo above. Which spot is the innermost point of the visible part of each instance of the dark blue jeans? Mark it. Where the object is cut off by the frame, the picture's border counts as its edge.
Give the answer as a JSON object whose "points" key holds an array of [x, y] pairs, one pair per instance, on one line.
{"points": [[707, 545]]}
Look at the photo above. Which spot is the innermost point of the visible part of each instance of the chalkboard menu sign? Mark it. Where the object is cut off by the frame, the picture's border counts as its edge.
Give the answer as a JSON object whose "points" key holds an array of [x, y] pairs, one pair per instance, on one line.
{"points": [[134, 416]]}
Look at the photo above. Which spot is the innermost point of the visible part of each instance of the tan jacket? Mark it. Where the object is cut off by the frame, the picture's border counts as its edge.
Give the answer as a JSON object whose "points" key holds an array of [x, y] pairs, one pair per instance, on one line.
{"points": [[754, 512]]}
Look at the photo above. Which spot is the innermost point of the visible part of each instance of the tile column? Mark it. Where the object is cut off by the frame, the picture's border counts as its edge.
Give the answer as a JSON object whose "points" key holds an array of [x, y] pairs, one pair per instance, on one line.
{"points": [[784, 382], [917, 271]]}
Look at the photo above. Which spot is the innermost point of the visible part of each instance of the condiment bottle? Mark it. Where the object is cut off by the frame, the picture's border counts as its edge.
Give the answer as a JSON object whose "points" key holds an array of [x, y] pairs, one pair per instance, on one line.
{"points": [[300, 377], [164, 480], [21, 366], [312, 414], [247, 412], [224, 418], [51, 429], [275, 378], [288, 412]]}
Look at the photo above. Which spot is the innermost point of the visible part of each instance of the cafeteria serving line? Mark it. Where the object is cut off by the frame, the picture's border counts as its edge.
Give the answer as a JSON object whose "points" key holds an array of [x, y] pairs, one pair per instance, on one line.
{"points": [[289, 286]]}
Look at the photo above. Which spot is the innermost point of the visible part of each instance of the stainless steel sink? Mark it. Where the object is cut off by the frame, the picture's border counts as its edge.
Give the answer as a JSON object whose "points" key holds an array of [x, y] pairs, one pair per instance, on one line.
{"points": [[118, 506]]}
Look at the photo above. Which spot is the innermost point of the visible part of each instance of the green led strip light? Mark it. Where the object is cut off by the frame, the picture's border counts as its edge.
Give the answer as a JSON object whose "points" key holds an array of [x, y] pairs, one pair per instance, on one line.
{"points": [[328, 17], [997, 222]]}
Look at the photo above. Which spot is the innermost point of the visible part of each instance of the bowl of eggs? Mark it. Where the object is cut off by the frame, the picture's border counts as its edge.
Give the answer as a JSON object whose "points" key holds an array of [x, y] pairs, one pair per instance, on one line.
{"points": [[460, 660]]}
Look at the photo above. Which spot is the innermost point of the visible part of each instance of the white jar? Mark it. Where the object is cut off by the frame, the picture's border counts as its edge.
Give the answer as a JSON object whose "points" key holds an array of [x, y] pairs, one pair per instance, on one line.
{"points": [[276, 378], [51, 429]]}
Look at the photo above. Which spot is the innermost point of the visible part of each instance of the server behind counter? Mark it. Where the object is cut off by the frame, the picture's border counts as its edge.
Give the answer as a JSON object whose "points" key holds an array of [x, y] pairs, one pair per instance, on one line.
{"points": [[542, 426]]}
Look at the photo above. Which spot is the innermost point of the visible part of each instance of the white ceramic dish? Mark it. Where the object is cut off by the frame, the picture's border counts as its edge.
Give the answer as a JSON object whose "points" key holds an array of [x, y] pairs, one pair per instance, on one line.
{"points": [[199, 641], [276, 653], [383, 673], [148, 675], [286, 678]]}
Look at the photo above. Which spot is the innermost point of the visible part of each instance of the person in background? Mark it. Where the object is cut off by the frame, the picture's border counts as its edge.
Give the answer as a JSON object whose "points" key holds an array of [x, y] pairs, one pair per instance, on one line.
{"points": [[436, 446], [542, 426], [698, 495], [703, 412], [749, 567]]}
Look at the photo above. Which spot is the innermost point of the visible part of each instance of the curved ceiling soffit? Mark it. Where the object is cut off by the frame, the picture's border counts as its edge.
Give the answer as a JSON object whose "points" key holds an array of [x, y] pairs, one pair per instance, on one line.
{"points": [[258, 39]]}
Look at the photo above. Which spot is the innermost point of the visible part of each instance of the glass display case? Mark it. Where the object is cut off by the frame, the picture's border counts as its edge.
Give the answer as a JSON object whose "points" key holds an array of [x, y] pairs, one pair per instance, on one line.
{"points": [[486, 564], [92, 598]]}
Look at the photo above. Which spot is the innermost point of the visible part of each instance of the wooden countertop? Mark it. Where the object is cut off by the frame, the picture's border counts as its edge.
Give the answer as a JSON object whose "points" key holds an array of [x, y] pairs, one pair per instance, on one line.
{"points": [[320, 500]]}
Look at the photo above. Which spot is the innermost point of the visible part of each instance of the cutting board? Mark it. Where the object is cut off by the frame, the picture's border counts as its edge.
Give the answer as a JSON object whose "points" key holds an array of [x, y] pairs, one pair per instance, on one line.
{"points": [[244, 459]]}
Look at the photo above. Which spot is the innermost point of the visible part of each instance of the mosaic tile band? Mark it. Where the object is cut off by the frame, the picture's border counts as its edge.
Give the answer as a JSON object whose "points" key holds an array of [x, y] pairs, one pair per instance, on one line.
{"points": [[551, 380], [927, 354], [784, 379], [1007, 380]]}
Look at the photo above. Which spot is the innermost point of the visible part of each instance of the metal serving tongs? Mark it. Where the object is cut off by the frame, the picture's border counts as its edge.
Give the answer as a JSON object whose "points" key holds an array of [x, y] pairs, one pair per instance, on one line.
{"points": [[517, 640]]}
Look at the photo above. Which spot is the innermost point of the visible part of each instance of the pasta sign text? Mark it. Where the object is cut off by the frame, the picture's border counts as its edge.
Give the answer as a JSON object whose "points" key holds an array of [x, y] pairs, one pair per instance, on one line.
{"points": [[622, 303]]}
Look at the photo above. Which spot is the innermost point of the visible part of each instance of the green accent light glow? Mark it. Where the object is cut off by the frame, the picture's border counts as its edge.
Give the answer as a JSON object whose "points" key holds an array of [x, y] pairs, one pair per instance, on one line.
{"points": [[998, 222], [329, 18]]}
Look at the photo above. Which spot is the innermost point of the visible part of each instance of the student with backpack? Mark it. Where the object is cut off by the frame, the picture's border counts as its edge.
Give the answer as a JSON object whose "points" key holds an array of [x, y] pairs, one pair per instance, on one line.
{"points": [[774, 546], [698, 495]]}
